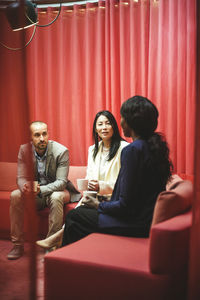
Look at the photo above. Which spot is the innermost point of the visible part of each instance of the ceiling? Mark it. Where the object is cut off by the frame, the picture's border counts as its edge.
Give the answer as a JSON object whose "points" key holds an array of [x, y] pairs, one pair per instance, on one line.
{"points": [[7, 2]]}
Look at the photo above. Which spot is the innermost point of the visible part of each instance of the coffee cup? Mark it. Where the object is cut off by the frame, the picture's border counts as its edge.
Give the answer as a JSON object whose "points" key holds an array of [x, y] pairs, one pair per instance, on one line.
{"points": [[90, 194], [35, 184], [82, 184]]}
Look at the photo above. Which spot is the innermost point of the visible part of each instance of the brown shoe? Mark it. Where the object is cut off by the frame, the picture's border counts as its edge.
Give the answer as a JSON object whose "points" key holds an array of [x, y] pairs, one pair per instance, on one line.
{"points": [[16, 252]]}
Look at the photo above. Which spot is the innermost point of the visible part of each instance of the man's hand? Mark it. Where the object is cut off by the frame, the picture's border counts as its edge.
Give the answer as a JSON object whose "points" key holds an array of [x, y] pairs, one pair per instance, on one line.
{"points": [[90, 201], [29, 188]]}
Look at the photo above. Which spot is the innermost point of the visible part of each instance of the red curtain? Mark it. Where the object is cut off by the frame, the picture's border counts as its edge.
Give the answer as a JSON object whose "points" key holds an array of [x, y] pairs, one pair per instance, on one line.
{"points": [[94, 57], [194, 271], [97, 56], [172, 76]]}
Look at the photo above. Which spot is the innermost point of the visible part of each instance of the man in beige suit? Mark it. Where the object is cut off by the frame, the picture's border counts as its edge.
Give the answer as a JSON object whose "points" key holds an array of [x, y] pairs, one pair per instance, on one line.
{"points": [[51, 167]]}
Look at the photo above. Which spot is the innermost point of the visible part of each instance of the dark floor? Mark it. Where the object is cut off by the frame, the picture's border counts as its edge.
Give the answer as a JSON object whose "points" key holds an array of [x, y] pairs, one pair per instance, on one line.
{"points": [[15, 274]]}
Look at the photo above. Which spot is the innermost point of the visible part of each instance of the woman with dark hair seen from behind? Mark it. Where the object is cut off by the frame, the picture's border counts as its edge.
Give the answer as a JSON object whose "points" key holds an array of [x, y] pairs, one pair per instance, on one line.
{"points": [[145, 170], [103, 164]]}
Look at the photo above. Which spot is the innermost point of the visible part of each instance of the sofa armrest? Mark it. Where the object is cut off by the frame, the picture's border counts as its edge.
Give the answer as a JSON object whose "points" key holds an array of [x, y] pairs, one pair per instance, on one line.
{"points": [[169, 245]]}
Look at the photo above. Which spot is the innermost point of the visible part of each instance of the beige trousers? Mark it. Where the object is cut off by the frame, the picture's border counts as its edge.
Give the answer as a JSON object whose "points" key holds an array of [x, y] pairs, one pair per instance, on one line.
{"points": [[55, 203]]}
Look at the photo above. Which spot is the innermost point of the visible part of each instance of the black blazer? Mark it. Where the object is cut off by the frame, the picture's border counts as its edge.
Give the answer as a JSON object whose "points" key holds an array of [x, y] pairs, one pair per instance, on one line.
{"points": [[135, 192]]}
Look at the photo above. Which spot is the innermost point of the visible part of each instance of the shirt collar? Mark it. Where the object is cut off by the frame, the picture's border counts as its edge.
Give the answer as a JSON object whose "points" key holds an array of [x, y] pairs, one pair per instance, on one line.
{"points": [[41, 157]]}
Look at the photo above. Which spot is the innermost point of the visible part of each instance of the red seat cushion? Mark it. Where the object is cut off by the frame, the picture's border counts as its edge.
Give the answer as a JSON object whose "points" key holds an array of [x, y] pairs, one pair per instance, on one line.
{"points": [[90, 248], [103, 267]]}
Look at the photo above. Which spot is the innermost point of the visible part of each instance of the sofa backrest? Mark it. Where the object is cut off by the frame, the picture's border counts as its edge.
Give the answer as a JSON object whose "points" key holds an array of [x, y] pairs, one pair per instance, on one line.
{"points": [[8, 173], [174, 201], [76, 172], [170, 230]]}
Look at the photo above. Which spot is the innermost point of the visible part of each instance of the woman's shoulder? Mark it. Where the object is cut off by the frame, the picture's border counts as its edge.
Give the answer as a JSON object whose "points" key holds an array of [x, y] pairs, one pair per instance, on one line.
{"points": [[134, 150], [91, 148], [123, 144], [137, 144]]}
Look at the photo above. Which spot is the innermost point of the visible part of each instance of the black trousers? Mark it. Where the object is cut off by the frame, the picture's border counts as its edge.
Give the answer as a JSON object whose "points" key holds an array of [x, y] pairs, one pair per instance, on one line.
{"points": [[83, 220], [79, 223]]}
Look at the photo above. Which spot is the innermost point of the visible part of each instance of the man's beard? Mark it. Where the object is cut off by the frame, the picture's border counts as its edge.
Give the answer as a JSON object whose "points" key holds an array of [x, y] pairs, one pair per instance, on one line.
{"points": [[42, 146]]}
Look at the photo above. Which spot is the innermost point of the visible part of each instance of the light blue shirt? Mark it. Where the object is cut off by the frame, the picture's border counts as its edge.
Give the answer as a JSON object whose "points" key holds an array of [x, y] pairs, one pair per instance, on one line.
{"points": [[41, 166]]}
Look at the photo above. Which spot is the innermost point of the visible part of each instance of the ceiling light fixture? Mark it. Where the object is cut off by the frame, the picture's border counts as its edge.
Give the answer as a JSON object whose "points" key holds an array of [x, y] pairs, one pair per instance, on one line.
{"points": [[18, 21], [23, 14]]}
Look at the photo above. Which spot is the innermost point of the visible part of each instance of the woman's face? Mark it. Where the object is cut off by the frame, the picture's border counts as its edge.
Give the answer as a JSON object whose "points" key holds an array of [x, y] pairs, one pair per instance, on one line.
{"points": [[126, 129], [104, 128]]}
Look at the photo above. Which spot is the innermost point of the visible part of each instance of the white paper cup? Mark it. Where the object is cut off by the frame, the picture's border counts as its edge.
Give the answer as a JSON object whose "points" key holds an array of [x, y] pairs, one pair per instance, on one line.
{"points": [[82, 184], [89, 194]]}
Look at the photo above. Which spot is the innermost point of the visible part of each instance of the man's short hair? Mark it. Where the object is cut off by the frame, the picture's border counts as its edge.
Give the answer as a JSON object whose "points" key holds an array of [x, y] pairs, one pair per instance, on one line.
{"points": [[38, 123]]}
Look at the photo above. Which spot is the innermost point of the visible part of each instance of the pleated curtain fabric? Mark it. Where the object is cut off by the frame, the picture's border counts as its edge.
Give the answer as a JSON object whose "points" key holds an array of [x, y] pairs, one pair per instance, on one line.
{"points": [[94, 57]]}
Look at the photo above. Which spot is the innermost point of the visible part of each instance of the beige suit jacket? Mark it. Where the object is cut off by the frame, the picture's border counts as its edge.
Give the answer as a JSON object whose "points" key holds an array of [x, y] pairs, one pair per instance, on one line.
{"points": [[56, 169]]}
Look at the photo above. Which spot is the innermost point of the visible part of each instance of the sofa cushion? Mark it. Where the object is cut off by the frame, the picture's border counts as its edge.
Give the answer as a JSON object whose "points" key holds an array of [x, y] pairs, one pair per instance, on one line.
{"points": [[8, 173], [173, 180], [118, 264], [173, 202]]}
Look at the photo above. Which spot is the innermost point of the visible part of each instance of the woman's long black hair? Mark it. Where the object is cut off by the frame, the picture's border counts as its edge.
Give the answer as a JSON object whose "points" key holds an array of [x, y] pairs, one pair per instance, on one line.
{"points": [[142, 116], [116, 138]]}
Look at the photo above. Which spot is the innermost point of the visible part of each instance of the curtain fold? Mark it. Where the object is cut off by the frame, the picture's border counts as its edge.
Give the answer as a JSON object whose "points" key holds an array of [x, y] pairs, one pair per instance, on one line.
{"points": [[172, 76], [96, 56], [194, 266]]}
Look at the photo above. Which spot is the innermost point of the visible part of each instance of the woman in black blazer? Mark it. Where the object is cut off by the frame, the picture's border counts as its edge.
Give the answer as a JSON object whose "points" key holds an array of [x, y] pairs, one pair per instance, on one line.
{"points": [[145, 170]]}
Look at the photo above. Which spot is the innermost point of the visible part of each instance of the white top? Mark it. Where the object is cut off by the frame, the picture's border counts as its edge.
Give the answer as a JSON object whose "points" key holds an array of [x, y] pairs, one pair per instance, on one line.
{"points": [[106, 172], [103, 163]]}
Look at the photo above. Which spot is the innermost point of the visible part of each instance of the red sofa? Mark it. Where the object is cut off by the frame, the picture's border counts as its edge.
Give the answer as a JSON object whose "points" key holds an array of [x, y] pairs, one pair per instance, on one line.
{"points": [[8, 172], [103, 267]]}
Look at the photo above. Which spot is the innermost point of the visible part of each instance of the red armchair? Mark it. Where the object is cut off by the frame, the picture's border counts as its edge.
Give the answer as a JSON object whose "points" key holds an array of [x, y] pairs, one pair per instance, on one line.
{"points": [[105, 267]]}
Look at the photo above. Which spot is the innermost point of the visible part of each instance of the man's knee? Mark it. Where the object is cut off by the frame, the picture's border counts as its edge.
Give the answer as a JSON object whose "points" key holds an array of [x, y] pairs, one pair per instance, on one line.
{"points": [[58, 197], [15, 197]]}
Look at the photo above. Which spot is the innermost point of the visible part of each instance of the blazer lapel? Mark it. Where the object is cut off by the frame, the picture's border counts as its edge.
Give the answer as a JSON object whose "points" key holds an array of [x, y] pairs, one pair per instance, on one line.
{"points": [[109, 166], [97, 162], [49, 156], [35, 169]]}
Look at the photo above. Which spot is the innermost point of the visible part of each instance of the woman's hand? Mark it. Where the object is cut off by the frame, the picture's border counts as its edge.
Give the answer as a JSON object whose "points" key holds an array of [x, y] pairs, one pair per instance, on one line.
{"points": [[93, 185], [91, 202]]}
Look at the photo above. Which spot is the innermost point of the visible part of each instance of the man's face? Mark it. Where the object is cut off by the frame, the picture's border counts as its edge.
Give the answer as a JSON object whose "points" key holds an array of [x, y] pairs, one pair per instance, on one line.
{"points": [[39, 135]]}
